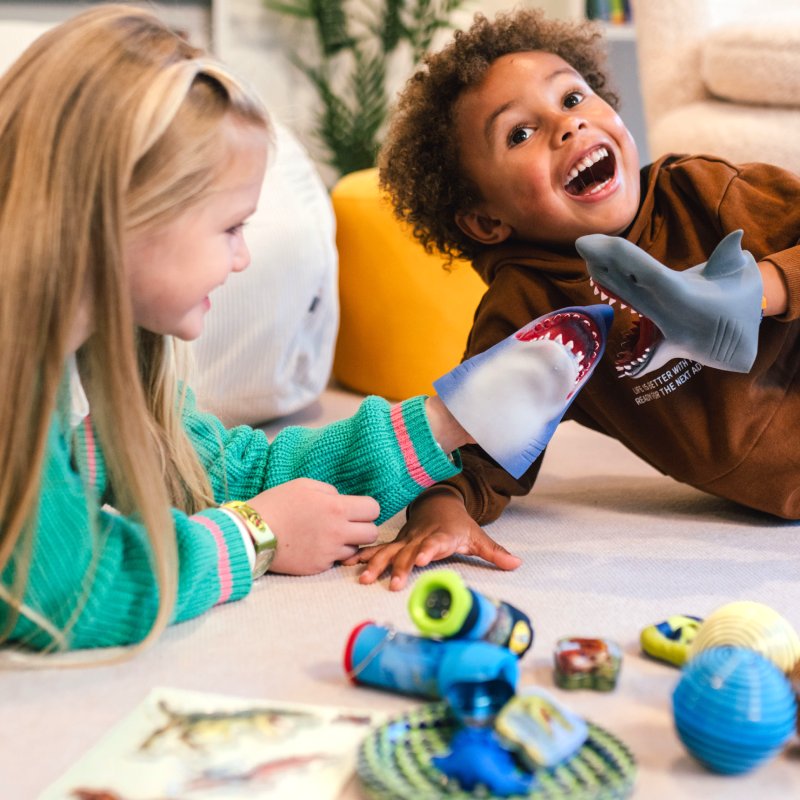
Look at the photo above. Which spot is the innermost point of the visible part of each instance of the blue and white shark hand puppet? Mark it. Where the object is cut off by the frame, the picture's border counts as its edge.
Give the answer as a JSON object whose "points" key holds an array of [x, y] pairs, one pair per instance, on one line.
{"points": [[511, 397], [709, 313]]}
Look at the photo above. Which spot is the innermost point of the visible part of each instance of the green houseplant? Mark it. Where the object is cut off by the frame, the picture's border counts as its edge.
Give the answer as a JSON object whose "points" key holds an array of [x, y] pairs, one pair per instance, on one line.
{"points": [[356, 42]]}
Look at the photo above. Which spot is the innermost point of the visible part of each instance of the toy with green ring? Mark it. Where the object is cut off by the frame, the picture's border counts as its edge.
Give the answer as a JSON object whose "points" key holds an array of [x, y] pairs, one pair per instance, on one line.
{"points": [[441, 605]]}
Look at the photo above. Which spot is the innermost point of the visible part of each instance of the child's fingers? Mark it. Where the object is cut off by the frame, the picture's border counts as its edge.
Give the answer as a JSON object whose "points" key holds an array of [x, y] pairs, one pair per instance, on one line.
{"points": [[377, 561], [361, 533], [418, 553], [360, 556], [346, 552], [360, 508], [489, 550]]}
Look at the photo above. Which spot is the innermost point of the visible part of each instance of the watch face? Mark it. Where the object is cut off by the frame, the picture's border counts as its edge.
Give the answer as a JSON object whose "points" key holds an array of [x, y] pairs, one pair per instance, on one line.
{"points": [[265, 552]]}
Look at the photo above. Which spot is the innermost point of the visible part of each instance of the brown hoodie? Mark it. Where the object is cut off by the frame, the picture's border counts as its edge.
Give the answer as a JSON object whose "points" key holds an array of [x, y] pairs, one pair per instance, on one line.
{"points": [[734, 435]]}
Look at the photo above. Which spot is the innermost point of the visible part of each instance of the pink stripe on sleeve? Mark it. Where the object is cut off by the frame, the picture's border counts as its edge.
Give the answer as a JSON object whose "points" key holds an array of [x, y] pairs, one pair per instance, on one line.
{"points": [[225, 576], [91, 450], [415, 469]]}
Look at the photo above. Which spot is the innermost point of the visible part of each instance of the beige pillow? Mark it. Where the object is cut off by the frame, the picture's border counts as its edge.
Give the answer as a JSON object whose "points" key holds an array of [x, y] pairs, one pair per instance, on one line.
{"points": [[755, 63]]}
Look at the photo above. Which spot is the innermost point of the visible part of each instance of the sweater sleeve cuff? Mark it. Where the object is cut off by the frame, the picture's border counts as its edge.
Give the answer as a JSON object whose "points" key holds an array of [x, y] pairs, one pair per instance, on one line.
{"points": [[234, 569], [426, 461], [788, 264], [246, 537]]}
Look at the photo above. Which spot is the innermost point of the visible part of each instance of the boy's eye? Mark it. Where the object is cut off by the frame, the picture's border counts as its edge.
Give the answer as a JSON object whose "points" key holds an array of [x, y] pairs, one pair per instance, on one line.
{"points": [[235, 229], [572, 99], [519, 135]]}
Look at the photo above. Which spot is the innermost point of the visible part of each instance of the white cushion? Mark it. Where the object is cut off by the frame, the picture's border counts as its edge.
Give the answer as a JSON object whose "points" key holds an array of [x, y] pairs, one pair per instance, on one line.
{"points": [[267, 348], [754, 63]]}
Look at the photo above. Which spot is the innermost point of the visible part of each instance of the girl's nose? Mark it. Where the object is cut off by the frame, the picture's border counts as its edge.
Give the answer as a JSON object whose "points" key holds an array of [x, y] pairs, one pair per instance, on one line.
{"points": [[241, 260]]}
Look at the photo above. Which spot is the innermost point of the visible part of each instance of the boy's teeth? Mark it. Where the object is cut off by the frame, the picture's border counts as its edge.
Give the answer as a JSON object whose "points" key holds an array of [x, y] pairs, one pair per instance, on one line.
{"points": [[599, 186], [586, 162]]}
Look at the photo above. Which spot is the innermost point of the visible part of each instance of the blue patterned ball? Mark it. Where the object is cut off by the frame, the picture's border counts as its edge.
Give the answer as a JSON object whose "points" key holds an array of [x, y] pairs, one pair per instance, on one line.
{"points": [[733, 709]]}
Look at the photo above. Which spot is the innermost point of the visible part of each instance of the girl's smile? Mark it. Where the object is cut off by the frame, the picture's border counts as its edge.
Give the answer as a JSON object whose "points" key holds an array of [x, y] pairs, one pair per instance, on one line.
{"points": [[174, 268]]}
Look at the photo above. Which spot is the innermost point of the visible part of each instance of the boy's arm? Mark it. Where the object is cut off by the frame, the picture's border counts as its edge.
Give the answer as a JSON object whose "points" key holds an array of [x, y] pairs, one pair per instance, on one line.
{"points": [[486, 488], [764, 201], [776, 290]]}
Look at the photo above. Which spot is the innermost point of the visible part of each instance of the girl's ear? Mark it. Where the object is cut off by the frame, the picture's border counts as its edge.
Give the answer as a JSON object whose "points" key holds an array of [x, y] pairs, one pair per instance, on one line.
{"points": [[482, 228]]}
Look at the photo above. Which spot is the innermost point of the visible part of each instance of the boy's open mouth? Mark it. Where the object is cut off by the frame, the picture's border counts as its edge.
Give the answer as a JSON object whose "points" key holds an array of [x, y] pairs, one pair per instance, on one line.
{"points": [[591, 173], [639, 343], [578, 333]]}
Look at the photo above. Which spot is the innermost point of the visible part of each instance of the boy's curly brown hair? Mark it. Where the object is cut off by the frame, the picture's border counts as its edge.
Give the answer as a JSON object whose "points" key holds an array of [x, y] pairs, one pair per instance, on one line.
{"points": [[419, 162]]}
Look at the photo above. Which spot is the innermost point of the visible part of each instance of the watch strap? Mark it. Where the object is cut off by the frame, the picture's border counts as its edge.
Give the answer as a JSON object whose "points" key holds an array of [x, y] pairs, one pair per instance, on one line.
{"points": [[264, 541]]}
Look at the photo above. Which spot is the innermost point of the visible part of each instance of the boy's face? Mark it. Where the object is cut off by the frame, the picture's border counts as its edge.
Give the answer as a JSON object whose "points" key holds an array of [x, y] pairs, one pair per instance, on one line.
{"points": [[553, 161]]}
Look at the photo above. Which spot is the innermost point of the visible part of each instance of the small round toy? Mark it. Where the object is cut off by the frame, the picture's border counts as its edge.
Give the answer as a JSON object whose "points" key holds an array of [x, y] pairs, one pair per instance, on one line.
{"points": [[442, 605], [669, 640], [733, 709], [755, 626]]}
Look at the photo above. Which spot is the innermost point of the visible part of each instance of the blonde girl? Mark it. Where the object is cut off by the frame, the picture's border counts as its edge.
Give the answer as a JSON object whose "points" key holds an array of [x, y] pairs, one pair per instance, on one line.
{"points": [[129, 163]]}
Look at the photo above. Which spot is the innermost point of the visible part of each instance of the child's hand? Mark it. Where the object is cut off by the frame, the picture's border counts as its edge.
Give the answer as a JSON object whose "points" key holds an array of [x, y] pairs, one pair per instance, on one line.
{"points": [[315, 525], [438, 526]]}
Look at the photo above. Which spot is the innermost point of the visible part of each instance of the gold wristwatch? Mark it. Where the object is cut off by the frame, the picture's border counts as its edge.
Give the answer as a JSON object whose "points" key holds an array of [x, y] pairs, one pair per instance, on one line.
{"points": [[263, 538]]}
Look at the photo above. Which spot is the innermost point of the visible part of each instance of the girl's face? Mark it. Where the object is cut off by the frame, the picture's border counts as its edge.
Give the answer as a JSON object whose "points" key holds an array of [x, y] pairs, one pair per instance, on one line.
{"points": [[173, 269], [552, 160]]}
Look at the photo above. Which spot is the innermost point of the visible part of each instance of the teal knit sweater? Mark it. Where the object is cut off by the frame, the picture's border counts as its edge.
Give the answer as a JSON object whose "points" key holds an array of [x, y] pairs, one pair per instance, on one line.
{"points": [[90, 569]]}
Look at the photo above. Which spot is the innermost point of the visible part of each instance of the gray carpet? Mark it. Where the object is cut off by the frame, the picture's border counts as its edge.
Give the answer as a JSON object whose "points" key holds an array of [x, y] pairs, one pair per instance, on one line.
{"points": [[609, 547]]}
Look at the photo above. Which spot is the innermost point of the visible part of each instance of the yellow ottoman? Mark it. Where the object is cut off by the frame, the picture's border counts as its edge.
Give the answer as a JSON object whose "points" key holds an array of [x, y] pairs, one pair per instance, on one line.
{"points": [[404, 315]]}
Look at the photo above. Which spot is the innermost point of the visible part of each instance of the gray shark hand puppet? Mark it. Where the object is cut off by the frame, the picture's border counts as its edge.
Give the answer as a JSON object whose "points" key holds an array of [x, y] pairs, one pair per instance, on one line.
{"points": [[709, 313]]}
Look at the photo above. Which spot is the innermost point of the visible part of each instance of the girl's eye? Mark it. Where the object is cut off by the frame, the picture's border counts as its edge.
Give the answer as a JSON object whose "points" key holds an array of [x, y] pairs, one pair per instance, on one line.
{"points": [[519, 135], [572, 99], [236, 229]]}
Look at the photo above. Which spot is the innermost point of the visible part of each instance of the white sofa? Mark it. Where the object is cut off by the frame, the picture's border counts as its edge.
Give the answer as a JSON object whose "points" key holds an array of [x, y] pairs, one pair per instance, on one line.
{"points": [[721, 77]]}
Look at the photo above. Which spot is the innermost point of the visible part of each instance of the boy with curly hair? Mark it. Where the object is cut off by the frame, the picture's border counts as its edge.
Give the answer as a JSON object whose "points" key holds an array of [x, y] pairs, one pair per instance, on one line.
{"points": [[505, 148]]}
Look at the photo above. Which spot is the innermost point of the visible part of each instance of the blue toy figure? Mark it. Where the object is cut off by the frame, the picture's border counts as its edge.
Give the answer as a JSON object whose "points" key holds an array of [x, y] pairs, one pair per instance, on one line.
{"points": [[478, 758], [442, 605]]}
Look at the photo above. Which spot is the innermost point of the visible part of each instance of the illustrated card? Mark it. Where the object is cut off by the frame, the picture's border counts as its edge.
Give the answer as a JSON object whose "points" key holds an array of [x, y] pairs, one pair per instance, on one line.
{"points": [[199, 746]]}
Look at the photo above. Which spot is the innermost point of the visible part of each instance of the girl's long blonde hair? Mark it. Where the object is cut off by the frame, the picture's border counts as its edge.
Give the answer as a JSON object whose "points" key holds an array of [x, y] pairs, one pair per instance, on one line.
{"points": [[109, 123]]}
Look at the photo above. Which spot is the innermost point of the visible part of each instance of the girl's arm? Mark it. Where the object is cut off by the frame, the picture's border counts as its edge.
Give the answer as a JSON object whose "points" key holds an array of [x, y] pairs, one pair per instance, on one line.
{"points": [[386, 452], [90, 569]]}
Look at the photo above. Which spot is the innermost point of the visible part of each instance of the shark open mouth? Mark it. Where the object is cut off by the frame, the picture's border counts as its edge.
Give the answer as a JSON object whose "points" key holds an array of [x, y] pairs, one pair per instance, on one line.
{"points": [[578, 333], [591, 173], [640, 341]]}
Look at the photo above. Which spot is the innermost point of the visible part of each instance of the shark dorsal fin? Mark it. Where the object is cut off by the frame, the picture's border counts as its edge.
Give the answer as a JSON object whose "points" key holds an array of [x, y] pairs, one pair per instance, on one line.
{"points": [[727, 258]]}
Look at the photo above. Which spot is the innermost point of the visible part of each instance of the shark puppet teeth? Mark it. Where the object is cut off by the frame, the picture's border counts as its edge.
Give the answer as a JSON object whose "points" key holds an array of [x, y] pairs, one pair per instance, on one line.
{"points": [[709, 313]]}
